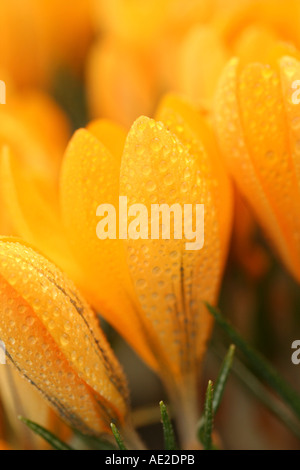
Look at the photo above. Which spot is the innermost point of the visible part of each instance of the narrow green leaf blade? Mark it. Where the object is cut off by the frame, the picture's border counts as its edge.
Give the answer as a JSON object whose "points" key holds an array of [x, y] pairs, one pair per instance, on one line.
{"points": [[94, 443], [259, 365], [219, 388], [169, 435], [206, 432], [222, 378], [53, 440], [118, 437], [253, 385]]}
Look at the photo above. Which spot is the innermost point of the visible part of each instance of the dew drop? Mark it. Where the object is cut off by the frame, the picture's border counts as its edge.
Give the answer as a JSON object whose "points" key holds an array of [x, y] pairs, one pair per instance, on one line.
{"points": [[32, 340], [146, 170], [163, 166], [169, 179], [267, 72], [141, 283], [170, 298], [29, 321], [184, 187], [150, 186], [174, 254], [156, 145], [64, 339], [156, 270], [296, 123]]}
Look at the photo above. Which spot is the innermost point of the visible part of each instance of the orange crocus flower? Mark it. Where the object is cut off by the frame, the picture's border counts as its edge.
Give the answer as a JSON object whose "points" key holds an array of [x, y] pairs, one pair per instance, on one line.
{"points": [[54, 340], [151, 291], [132, 65], [140, 24], [183, 46], [237, 28], [257, 125]]}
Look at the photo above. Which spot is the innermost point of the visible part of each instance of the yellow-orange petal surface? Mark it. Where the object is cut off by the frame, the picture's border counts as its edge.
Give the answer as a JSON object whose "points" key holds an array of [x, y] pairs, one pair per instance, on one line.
{"points": [[171, 282], [90, 177]]}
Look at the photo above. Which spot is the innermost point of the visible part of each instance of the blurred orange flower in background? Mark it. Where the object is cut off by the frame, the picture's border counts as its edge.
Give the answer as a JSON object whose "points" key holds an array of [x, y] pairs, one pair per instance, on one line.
{"points": [[260, 139], [39, 36], [126, 77], [35, 131]]}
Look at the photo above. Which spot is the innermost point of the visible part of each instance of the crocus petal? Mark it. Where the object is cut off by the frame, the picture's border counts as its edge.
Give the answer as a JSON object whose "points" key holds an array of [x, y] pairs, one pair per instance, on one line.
{"points": [[52, 337], [232, 17], [120, 82], [289, 73], [192, 126], [140, 23], [248, 45], [255, 137], [25, 145], [90, 177], [36, 131], [198, 67], [46, 122], [133, 22], [110, 134], [31, 204], [171, 282]]}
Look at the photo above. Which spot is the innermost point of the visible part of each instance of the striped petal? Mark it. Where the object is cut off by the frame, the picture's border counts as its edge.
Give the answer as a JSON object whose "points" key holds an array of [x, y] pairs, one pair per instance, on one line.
{"points": [[53, 338]]}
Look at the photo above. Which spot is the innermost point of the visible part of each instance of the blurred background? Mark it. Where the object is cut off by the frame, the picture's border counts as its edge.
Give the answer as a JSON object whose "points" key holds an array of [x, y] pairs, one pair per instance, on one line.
{"points": [[66, 63]]}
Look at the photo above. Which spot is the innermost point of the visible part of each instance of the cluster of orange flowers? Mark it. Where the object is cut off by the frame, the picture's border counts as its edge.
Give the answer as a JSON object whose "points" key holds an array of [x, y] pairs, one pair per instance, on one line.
{"points": [[215, 79]]}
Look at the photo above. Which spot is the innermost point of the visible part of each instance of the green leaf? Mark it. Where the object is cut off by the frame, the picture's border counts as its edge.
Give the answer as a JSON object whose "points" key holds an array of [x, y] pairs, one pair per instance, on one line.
{"points": [[94, 443], [169, 435], [259, 365], [218, 388], [222, 378], [259, 391], [118, 437], [53, 440], [206, 430]]}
